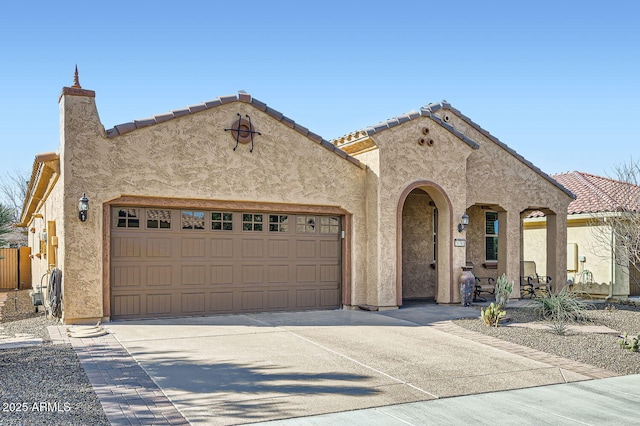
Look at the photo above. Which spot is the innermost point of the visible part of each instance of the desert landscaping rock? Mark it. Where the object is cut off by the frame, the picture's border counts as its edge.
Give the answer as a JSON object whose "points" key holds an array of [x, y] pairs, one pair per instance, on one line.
{"points": [[43, 383], [598, 349]]}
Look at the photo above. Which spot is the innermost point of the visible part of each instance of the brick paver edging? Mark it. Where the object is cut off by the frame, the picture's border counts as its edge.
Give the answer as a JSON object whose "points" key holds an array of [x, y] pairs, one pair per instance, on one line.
{"points": [[536, 355], [127, 394]]}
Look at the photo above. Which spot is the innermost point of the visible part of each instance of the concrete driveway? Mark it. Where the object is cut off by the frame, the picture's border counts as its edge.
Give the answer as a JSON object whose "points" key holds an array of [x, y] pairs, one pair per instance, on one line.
{"points": [[259, 367]]}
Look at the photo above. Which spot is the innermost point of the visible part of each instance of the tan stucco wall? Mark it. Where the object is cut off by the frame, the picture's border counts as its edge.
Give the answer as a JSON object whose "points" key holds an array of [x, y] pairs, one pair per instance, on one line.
{"points": [[404, 163], [193, 157], [598, 257], [45, 256], [497, 179], [369, 295], [39, 262]]}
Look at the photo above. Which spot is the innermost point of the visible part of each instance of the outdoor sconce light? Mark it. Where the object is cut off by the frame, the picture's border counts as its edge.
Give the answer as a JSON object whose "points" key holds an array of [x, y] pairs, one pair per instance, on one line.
{"points": [[465, 222], [83, 208]]}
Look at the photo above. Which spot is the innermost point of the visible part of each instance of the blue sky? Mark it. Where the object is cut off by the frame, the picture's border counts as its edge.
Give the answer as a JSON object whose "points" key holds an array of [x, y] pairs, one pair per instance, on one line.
{"points": [[556, 81]]}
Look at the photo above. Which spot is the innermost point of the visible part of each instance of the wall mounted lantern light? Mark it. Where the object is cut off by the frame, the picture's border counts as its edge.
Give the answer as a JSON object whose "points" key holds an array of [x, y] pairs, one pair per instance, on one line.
{"points": [[83, 208], [464, 223]]}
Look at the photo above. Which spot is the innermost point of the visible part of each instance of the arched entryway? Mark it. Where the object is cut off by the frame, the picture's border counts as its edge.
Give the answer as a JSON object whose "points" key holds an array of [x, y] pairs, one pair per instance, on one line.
{"points": [[424, 244]]}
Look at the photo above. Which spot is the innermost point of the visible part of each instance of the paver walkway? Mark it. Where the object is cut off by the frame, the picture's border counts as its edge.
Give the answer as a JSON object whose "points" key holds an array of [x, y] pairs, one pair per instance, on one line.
{"points": [[127, 394]]}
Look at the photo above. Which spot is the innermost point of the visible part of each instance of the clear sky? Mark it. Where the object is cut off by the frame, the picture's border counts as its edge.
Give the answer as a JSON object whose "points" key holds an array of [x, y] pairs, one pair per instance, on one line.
{"points": [[557, 81]]}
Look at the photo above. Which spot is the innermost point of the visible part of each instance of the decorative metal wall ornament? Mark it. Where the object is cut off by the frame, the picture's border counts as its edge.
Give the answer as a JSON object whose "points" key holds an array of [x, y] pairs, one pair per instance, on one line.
{"points": [[242, 131]]}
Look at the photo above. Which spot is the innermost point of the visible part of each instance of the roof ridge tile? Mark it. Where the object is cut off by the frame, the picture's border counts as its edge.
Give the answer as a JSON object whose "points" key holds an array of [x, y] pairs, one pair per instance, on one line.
{"points": [[260, 105], [214, 103], [229, 98], [197, 108]]}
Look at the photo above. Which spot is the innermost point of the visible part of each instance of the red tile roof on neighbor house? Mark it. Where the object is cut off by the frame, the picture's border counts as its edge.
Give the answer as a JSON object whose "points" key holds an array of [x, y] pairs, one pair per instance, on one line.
{"points": [[597, 194]]}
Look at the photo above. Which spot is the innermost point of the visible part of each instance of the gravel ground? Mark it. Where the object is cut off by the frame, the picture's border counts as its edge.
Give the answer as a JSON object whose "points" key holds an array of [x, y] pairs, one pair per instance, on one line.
{"points": [[601, 350], [42, 384]]}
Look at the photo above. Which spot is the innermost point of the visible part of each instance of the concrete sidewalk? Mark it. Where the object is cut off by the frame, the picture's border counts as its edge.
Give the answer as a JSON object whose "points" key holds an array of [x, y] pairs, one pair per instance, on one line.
{"points": [[263, 367], [613, 401]]}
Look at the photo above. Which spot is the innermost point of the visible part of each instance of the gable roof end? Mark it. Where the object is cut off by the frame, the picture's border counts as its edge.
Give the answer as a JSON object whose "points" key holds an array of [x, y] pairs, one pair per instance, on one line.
{"points": [[412, 115], [447, 106], [358, 135], [121, 129]]}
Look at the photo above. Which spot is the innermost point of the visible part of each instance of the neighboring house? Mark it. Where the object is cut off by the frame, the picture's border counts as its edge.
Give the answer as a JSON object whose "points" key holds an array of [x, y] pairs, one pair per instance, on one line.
{"points": [[591, 262], [15, 238], [230, 206]]}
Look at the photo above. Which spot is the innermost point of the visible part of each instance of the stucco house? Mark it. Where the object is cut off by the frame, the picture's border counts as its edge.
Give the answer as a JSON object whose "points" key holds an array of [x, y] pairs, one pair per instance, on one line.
{"points": [[592, 263], [230, 206]]}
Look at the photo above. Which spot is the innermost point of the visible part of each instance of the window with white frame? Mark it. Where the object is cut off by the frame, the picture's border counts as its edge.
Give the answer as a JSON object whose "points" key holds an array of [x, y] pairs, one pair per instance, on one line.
{"points": [[252, 222], [128, 218], [491, 236], [158, 219], [278, 223], [221, 221], [193, 220]]}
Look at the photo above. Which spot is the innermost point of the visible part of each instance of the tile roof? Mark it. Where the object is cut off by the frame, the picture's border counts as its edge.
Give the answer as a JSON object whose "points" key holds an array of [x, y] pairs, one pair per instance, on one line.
{"points": [[124, 128], [597, 194], [429, 111], [395, 121]]}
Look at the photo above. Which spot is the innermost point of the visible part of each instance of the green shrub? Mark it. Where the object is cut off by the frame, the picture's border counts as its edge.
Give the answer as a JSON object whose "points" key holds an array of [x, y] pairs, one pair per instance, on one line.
{"points": [[632, 344], [560, 328], [563, 306], [492, 314]]}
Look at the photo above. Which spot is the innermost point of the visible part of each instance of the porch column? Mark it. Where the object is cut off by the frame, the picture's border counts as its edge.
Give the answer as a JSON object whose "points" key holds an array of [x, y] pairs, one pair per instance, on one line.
{"points": [[557, 250], [509, 237]]}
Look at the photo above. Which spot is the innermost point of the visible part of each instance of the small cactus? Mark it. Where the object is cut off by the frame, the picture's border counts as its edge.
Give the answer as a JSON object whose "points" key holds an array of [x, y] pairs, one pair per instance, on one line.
{"points": [[503, 290], [492, 314]]}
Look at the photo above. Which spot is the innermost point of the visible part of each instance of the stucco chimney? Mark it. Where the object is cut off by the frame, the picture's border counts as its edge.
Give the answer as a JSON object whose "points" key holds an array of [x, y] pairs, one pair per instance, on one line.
{"points": [[81, 134]]}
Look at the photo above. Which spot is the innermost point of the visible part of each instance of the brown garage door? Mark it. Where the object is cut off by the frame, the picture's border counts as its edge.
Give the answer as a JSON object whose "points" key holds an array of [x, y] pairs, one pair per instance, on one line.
{"points": [[178, 262]]}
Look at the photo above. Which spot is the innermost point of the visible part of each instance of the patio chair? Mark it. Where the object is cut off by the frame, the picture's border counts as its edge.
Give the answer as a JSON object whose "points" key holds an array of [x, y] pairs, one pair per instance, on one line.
{"points": [[489, 288], [531, 284]]}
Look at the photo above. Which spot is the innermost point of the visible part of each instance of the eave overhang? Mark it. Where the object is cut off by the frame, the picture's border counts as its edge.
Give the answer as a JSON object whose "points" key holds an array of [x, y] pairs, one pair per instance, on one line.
{"points": [[44, 175]]}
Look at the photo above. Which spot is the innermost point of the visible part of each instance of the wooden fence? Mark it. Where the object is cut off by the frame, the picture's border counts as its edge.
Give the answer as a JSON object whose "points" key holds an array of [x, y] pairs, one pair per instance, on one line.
{"points": [[15, 268]]}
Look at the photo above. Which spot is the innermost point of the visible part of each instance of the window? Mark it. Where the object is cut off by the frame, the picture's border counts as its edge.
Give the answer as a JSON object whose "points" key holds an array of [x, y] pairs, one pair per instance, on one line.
{"points": [[158, 219], [221, 221], [329, 225], [252, 222], [306, 224], [128, 218], [491, 236], [192, 220], [278, 223]]}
